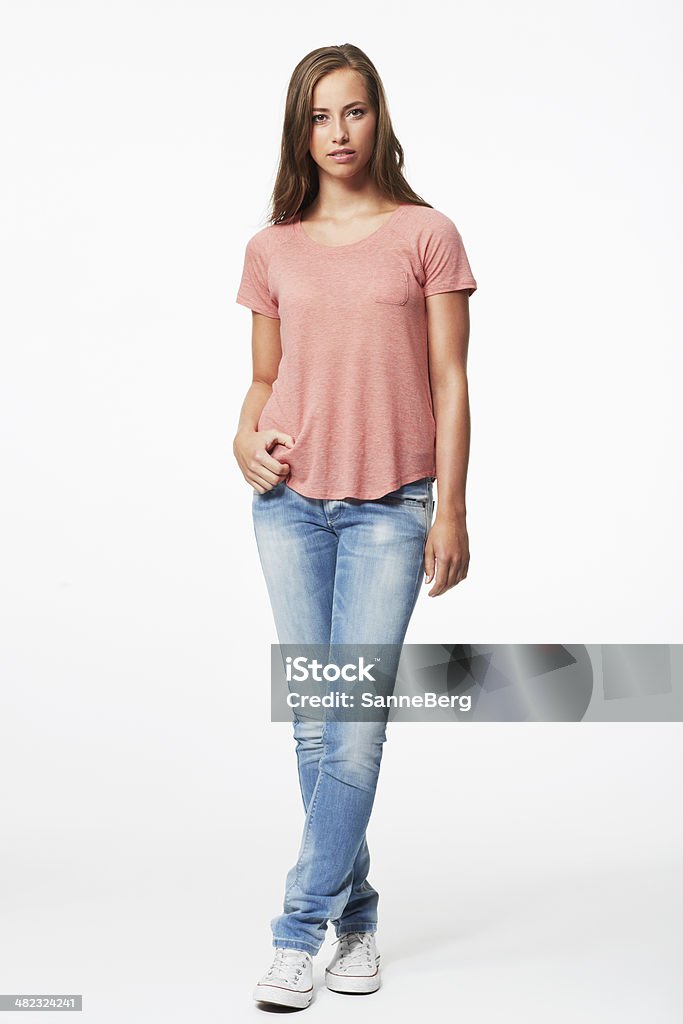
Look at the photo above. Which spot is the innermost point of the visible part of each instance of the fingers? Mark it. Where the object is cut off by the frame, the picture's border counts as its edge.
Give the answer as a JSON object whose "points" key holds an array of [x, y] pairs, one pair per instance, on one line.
{"points": [[262, 485], [441, 580], [275, 466], [430, 561], [449, 572], [280, 437], [274, 437], [265, 479], [268, 472]]}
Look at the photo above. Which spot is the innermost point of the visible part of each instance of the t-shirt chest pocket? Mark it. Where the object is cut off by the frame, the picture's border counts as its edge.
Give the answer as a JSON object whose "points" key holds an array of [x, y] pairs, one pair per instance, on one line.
{"points": [[391, 288]]}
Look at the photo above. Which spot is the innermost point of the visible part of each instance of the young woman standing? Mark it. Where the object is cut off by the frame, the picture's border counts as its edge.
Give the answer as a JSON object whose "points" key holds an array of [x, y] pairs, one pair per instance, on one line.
{"points": [[359, 294]]}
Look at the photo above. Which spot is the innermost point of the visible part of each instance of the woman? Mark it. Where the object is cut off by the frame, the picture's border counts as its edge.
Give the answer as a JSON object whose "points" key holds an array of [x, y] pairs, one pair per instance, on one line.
{"points": [[359, 295]]}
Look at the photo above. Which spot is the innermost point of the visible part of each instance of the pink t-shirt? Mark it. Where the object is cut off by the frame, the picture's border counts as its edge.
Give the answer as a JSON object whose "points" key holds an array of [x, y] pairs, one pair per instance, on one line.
{"points": [[353, 382]]}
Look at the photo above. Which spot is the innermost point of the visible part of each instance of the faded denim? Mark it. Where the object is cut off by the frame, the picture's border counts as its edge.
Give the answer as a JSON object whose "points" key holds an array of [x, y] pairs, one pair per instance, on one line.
{"points": [[338, 571]]}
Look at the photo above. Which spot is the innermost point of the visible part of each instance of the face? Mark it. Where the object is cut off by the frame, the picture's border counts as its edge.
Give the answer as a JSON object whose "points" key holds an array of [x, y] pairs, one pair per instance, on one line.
{"points": [[342, 118]]}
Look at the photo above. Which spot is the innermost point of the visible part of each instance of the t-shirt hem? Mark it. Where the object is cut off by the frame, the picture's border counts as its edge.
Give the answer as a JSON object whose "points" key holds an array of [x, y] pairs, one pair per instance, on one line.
{"points": [[405, 478]]}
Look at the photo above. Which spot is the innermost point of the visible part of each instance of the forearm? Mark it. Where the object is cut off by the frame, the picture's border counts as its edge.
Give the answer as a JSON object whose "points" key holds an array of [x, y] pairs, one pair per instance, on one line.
{"points": [[255, 399], [452, 415]]}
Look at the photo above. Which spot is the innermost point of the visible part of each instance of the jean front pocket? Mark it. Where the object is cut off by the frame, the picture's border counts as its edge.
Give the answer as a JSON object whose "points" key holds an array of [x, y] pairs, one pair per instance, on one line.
{"points": [[392, 290]]}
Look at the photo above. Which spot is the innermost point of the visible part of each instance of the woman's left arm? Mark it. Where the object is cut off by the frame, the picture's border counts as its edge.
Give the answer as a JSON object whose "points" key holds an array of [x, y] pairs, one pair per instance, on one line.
{"points": [[448, 326]]}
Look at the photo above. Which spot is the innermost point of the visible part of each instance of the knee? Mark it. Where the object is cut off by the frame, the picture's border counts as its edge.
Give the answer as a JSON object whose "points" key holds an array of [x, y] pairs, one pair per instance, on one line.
{"points": [[352, 752], [308, 734]]}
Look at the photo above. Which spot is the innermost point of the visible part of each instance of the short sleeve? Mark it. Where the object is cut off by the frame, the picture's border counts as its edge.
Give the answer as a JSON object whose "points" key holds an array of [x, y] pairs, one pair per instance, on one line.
{"points": [[445, 262], [253, 291]]}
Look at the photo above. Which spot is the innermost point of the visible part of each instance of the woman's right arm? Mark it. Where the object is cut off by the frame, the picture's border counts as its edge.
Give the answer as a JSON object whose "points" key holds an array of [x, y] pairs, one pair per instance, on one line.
{"points": [[251, 446]]}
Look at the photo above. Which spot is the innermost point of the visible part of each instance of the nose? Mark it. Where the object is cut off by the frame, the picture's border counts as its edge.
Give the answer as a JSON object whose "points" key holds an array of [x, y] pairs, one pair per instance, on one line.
{"points": [[341, 136]]}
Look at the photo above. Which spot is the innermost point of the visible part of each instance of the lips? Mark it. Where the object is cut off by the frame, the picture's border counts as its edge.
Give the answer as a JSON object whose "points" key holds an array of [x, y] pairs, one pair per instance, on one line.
{"points": [[341, 152]]}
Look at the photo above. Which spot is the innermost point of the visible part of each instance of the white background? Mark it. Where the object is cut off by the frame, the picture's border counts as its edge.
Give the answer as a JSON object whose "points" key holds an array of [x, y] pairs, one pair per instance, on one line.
{"points": [[149, 808]]}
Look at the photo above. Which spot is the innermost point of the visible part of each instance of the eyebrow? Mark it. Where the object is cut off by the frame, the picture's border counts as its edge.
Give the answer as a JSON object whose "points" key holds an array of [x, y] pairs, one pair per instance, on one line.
{"points": [[356, 103]]}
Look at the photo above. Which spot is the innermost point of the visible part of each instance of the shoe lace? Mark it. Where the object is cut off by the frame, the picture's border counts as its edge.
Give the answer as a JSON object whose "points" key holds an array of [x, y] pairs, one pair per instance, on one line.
{"points": [[287, 966], [355, 948]]}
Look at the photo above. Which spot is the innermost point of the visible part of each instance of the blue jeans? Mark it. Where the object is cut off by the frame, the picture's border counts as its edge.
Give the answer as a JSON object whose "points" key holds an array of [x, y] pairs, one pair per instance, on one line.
{"points": [[338, 571]]}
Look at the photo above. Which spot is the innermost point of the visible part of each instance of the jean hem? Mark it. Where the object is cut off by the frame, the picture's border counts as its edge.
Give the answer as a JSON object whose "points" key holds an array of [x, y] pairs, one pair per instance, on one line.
{"points": [[358, 926], [307, 947]]}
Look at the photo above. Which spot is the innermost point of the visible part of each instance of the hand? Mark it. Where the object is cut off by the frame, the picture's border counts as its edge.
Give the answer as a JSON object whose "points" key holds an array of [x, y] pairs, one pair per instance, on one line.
{"points": [[448, 544], [251, 448]]}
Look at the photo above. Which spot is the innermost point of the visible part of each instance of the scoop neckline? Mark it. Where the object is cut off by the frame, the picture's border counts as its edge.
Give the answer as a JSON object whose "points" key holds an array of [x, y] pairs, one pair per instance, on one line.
{"points": [[348, 245]]}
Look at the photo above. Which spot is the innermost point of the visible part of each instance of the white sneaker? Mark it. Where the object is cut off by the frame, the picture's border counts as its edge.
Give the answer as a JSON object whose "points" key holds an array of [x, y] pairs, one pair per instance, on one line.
{"points": [[289, 979], [355, 964]]}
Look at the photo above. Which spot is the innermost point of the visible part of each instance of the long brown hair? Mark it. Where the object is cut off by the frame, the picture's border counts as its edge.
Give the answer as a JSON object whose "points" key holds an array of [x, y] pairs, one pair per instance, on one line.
{"points": [[297, 184]]}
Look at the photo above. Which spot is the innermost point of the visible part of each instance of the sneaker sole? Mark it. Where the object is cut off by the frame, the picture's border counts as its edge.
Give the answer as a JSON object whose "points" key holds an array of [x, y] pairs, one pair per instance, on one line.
{"points": [[282, 996]]}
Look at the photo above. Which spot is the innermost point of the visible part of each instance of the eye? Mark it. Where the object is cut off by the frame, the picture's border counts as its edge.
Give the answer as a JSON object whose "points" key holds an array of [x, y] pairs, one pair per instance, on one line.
{"points": [[314, 118], [357, 110]]}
